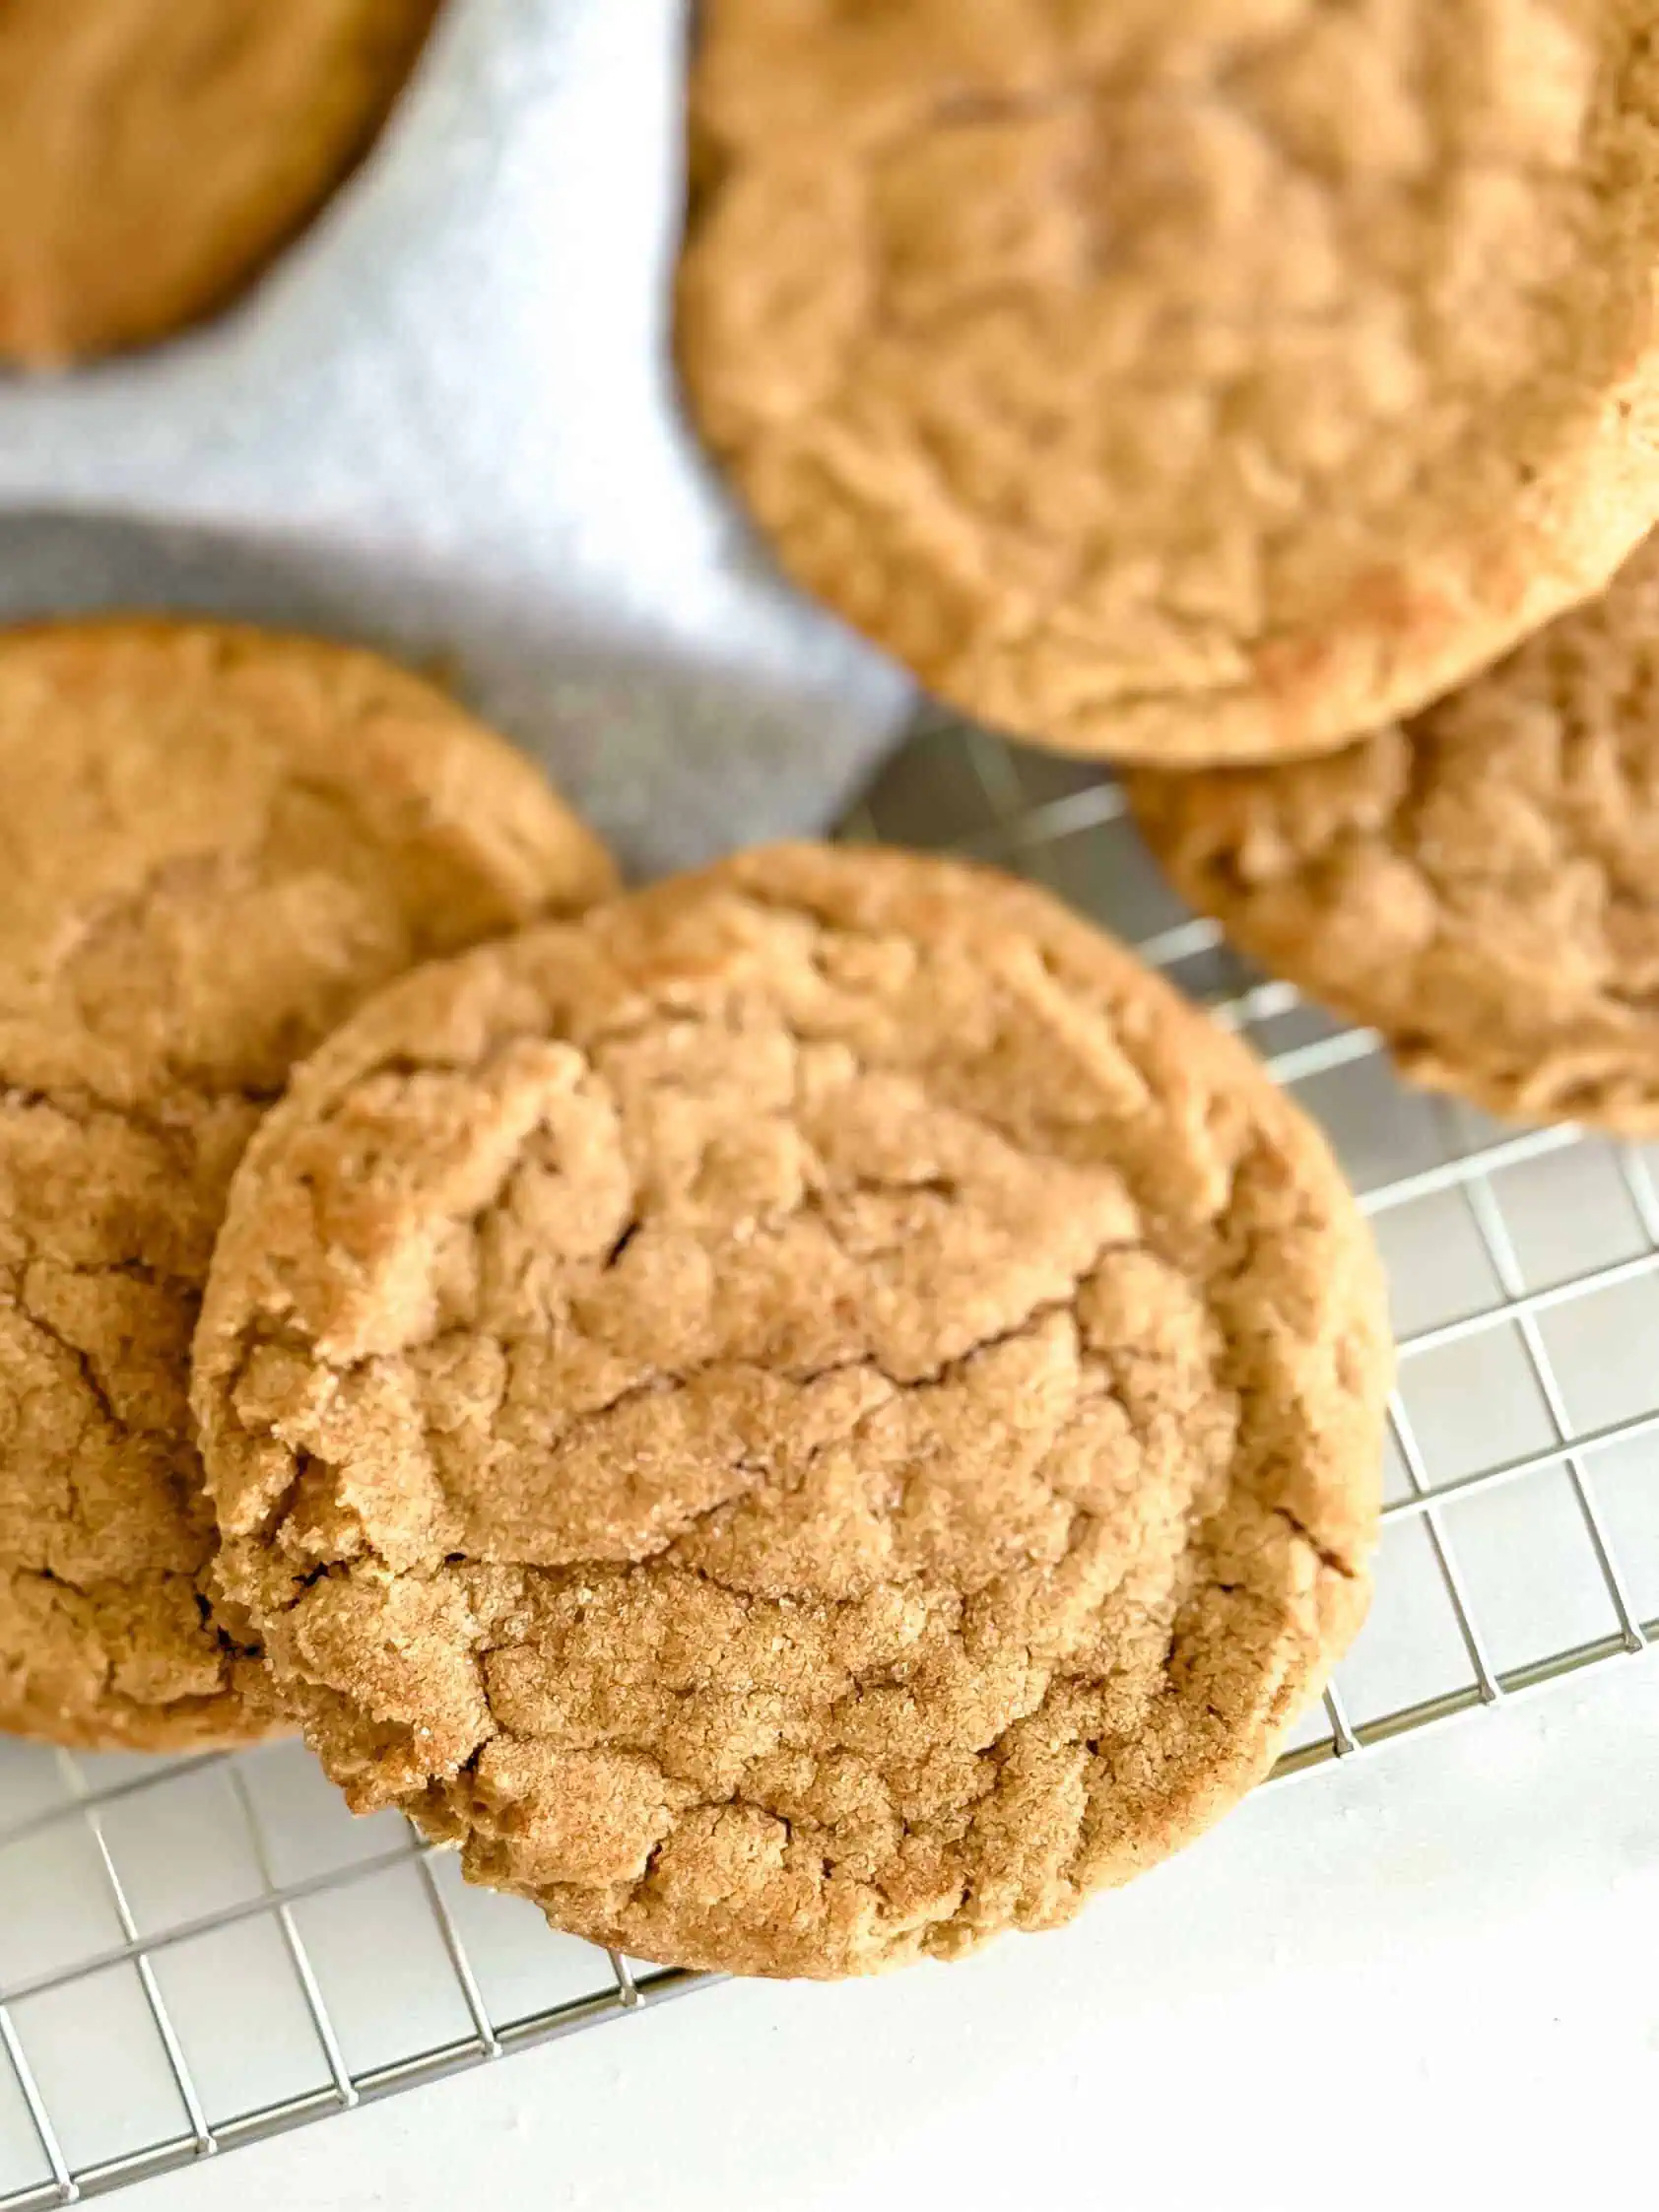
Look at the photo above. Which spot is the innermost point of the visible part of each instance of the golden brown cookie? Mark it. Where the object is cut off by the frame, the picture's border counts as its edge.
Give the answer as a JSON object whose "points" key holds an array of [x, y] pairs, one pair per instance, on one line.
{"points": [[1481, 884], [156, 154], [1184, 380], [815, 1416], [213, 843]]}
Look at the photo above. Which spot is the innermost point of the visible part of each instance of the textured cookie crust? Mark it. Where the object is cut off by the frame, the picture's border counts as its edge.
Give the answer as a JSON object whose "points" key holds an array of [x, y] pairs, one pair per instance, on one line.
{"points": [[213, 843], [1480, 884], [1184, 380], [816, 1416], [156, 154]]}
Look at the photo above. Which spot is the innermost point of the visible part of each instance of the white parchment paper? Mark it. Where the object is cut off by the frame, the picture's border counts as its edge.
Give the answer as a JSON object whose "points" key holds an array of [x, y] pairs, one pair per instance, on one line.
{"points": [[447, 423]]}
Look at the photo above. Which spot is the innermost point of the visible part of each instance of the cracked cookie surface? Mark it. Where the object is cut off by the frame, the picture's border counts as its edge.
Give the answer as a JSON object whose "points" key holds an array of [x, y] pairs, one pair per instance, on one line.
{"points": [[156, 154], [1182, 380], [813, 1416], [215, 842], [1480, 884]]}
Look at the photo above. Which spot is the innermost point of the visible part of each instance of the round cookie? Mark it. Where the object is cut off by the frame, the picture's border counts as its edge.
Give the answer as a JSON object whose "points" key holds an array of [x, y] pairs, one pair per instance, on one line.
{"points": [[1181, 381], [815, 1416], [156, 154], [215, 842], [1480, 884]]}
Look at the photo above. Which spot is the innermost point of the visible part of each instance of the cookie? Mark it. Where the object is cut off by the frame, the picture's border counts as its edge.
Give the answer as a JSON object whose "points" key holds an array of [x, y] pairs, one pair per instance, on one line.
{"points": [[215, 844], [812, 1417], [1181, 381], [1478, 883], [156, 154]]}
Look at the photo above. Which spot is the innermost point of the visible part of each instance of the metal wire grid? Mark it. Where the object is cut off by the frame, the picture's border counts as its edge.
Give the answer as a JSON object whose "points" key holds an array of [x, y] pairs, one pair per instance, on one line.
{"points": [[1521, 1546]]}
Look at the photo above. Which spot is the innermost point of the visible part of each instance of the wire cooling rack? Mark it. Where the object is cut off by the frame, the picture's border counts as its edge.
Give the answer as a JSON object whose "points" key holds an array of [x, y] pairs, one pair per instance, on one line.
{"points": [[198, 1954]]}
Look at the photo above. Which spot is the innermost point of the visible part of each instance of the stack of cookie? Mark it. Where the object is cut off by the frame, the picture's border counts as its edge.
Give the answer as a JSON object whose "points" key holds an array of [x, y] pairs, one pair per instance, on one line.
{"points": [[802, 1416], [1208, 386], [816, 1412]]}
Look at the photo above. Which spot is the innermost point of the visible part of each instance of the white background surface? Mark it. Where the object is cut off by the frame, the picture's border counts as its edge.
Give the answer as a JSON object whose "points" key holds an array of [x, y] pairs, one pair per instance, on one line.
{"points": [[1430, 1975]]}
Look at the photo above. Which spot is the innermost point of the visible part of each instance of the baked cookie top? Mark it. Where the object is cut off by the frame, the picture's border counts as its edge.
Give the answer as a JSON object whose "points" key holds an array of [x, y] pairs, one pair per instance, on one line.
{"points": [[813, 1416], [1481, 884], [156, 154], [213, 843], [1184, 380]]}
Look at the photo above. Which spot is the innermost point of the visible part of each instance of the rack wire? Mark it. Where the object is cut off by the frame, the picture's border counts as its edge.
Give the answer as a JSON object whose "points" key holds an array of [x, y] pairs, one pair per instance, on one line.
{"points": [[200, 1953]]}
